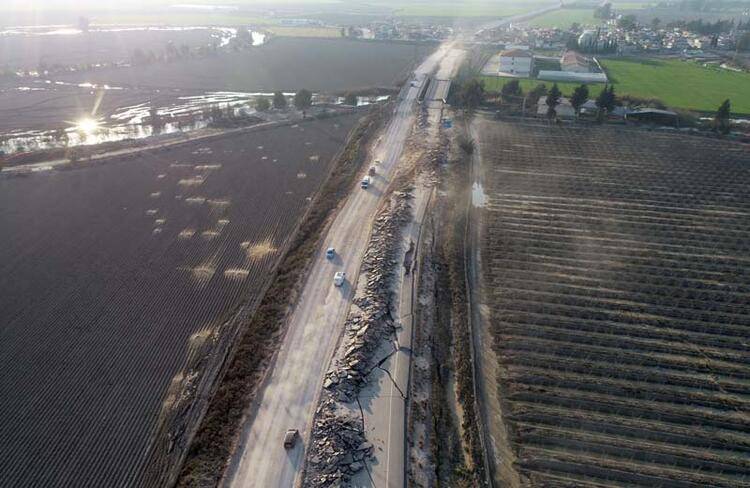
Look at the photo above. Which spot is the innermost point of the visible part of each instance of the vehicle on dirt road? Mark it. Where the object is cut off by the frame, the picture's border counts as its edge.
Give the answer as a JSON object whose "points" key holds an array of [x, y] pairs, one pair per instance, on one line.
{"points": [[365, 183], [330, 253], [339, 278], [290, 438], [373, 170]]}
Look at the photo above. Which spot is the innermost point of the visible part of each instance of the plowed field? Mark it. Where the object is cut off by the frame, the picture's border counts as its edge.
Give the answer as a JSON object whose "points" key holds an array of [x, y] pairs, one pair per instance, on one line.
{"points": [[617, 274], [115, 278]]}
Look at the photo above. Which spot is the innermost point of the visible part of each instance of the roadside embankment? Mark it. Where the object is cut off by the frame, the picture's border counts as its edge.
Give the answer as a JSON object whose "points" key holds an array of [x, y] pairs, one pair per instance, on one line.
{"points": [[444, 443]]}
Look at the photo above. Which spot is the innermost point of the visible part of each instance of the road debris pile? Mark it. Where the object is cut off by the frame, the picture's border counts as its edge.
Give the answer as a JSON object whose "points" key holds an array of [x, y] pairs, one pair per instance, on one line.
{"points": [[338, 447], [370, 322]]}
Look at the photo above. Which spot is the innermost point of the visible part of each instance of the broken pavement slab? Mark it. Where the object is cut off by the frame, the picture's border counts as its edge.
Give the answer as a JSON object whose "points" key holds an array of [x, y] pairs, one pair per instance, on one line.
{"points": [[370, 339]]}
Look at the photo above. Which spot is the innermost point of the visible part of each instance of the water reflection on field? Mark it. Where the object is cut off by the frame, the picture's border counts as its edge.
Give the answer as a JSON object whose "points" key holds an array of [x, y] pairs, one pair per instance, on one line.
{"points": [[184, 114]]}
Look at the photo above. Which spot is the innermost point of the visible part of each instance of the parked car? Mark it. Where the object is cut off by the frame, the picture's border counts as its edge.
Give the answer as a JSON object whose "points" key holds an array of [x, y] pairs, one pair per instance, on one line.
{"points": [[339, 278], [365, 184], [330, 252], [290, 438]]}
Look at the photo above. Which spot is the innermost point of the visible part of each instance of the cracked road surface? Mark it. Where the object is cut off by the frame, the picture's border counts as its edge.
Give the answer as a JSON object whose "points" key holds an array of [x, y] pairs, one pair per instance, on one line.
{"points": [[289, 395], [383, 400]]}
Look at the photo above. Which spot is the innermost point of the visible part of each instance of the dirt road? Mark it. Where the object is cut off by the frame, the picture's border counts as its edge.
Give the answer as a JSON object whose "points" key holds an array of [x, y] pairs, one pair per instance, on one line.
{"points": [[290, 392]]}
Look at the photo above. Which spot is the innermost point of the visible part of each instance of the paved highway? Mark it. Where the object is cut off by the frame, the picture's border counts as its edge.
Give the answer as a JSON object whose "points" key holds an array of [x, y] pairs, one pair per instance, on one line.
{"points": [[289, 395], [383, 400]]}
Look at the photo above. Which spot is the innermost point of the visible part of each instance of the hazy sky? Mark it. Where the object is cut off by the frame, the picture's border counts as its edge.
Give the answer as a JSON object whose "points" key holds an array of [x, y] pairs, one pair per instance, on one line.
{"points": [[77, 4]]}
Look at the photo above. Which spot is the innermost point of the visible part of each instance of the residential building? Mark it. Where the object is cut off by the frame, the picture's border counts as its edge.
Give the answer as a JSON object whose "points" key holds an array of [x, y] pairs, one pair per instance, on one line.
{"points": [[516, 62]]}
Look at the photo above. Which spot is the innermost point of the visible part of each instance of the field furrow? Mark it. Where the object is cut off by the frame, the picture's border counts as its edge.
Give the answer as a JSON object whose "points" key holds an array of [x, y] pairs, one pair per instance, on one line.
{"points": [[616, 274], [124, 279]]}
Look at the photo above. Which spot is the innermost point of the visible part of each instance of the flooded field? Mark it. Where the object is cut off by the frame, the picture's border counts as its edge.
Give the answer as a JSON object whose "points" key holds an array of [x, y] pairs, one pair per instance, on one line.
{"points": [[119, 114], [121, 282], [63, 109]]}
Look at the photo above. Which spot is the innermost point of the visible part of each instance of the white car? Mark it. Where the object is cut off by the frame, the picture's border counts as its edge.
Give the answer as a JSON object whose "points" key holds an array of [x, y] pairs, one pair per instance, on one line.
{"points": [[339, 278]]}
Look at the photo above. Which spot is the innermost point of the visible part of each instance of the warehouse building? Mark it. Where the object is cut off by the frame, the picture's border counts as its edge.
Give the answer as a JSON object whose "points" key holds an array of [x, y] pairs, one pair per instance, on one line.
{"points": [[574, 62]]}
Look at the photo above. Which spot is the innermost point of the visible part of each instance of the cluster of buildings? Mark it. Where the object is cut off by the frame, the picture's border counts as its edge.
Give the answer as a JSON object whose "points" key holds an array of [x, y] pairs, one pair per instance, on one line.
{"points": [[401, 31], [520, 62], [649, 40], [589, 110], [518, 34], [610, 38], [674, 41]]}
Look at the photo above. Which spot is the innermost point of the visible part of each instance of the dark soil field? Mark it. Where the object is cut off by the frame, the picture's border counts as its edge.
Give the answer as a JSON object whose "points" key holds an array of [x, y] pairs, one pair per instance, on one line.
{"points": [[29, 49], [617, 273], [117, 277], [287, 64]]}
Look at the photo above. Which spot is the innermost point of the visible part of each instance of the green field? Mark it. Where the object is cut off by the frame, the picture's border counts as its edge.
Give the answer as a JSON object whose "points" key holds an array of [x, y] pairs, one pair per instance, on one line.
{"points": [[564, 18], [462, 8], [680, 84]]}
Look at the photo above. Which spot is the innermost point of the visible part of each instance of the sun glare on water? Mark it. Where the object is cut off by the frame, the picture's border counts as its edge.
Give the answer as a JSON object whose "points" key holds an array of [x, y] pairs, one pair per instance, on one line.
{"points": [[87, 125]]}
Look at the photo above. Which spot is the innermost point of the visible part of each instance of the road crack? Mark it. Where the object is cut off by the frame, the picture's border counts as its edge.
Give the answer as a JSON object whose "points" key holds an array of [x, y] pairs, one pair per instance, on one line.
{"points": [[361, 413], [369, 474], [393, 381]]}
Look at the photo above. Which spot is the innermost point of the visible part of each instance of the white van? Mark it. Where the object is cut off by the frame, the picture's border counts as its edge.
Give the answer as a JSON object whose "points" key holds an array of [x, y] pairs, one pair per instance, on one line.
{"points": [[365, 184]]}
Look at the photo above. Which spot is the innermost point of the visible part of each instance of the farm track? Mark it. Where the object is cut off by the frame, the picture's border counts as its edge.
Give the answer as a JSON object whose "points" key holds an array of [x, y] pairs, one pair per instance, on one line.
{"points": [[116, 288], [616, 273]]}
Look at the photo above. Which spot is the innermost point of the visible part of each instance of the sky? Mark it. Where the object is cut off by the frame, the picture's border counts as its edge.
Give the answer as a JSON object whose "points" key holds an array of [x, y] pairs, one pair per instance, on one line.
{"points": [[68, 4], [115, 4]]}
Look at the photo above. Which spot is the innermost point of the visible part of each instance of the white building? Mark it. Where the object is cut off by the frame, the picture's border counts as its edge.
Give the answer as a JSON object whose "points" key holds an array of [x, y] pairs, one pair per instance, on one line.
{"points": [[516, 62]]}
